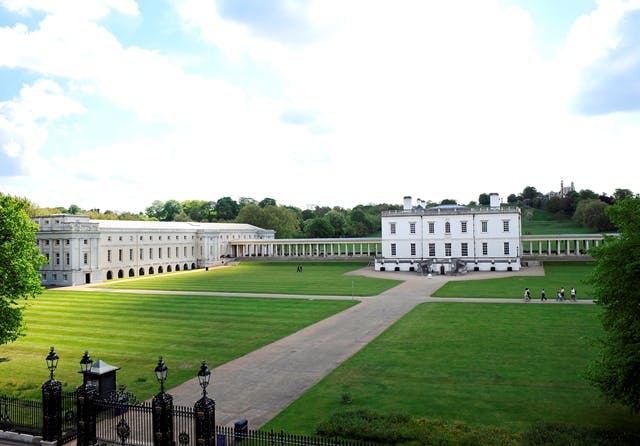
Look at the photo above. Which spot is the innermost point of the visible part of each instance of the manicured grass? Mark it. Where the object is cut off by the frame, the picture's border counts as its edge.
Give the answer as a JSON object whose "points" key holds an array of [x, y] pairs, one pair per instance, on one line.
{"points": [[538, 222], [557, 275], [507, 365], [317, 278], [131, 331]]}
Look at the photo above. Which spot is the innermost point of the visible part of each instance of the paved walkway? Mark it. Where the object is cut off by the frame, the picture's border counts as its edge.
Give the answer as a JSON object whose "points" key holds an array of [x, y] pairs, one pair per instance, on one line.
{"points": [[262, 383]]}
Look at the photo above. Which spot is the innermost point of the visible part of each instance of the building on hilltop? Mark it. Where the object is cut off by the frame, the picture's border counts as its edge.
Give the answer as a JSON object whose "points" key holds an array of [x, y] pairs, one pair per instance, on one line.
{"points": [[80, 250], [451, 238]]}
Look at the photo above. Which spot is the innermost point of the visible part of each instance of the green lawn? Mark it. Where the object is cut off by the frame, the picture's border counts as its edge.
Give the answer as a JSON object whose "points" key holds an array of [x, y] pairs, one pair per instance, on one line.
{"points": [[316, 278], [538, 222], [507, 365], [131, 331], [557, 275]]}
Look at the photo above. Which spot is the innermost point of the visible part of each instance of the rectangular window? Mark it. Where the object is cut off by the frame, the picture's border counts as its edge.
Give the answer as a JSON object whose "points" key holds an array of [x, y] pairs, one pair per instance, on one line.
{"points": [[464, 249], [57, 242], [66, 242], [412, 228], [485, 249], [432, 227], [413, 249], [141, 254], [85, 241], [463, 226], [506, 248], [48, 259], [393, 249], [150, 253], [484, 225], [159, 253], [184, 251], [447, 228], [120, 255], [67, 258], [505, 225], [177, 251], [130, 254], [108, 255], [85, 258], [46, 242], [432, 249], [392, 228], [447, 249], [168, 252]]}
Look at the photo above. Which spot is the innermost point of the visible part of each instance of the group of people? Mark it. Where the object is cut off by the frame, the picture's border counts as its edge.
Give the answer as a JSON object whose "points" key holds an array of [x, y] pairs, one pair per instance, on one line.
{"points": [[560, 295]]}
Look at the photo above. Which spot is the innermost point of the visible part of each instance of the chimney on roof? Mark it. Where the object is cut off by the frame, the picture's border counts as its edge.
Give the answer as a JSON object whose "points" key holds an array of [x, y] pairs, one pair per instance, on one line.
{"points": [[407, 203], [494, 200]]}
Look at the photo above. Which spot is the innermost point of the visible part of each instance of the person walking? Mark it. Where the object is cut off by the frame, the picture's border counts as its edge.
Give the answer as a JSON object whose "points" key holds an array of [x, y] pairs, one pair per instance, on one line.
{"points": [[543, 295], [527, 295], [573, 294]]}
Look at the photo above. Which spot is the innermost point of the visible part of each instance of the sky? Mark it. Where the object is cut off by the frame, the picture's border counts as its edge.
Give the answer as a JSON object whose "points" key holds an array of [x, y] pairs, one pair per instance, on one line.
{"points": [[112, 104]]}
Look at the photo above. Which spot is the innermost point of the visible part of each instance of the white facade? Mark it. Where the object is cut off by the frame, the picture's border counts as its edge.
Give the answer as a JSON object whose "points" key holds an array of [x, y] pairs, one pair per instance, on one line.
{"points": [[80, 250], [450, 239]]}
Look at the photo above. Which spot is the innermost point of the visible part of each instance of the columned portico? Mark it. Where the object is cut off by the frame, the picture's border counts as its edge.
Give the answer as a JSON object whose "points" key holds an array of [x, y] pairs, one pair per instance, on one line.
{"points": [[309, 248]]}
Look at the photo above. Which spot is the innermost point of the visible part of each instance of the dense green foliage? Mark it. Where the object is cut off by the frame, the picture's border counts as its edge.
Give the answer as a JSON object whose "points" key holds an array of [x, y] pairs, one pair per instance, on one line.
{"points": [[132, 330], [506, 365], [556, 275], [557, 434], [316, 278], [401, 429], [20, 260], [616, 282]]}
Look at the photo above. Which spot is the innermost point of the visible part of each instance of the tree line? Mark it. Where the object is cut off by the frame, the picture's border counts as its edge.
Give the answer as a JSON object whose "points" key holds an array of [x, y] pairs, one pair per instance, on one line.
{"points": [[585, 207]]}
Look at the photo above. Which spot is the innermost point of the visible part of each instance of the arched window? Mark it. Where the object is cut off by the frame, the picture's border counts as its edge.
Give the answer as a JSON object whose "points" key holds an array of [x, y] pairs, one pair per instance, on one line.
{"points": [[168, 268], [177, 267], [160, 270], [120, 274], [131, 272], [109, 275], [151, 270], [141, 272]]}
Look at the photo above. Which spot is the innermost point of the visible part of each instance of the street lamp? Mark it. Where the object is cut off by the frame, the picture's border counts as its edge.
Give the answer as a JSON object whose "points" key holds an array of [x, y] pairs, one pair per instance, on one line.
{"points": [[161, 373], [85, 366], [52, 402], [52, 362], [162, 410], [204, 375], [85, 396], [205, 411]]}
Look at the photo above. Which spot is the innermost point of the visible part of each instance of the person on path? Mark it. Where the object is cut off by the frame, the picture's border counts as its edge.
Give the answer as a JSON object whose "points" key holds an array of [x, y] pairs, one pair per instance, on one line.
{"points": [[527, 294], [573, 294], [543, 295], [558, 296], [562, 294]]}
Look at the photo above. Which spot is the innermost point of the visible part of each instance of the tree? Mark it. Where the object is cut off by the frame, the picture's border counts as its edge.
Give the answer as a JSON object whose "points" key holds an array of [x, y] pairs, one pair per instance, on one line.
{"points": [[20, 261], [227, 208], [74, 209], [484, 199], [318, 227], [591, 213], [616, 283], [621, 194], [156, 210], [171, 208], [267, 202], [529, 193]]}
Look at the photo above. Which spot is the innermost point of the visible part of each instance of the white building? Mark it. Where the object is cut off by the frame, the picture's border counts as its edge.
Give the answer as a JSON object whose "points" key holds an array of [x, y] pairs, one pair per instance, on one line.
{"points": [[80, 250], [450, 238]]}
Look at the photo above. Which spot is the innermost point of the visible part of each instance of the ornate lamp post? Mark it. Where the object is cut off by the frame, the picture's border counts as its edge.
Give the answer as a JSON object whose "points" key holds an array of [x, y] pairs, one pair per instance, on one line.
{"points": [[52, 402], [162, 405], [85, 396], [205, 410]]}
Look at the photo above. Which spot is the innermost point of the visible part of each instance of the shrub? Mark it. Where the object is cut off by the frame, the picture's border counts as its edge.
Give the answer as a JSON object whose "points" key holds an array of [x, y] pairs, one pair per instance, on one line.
{"points": [[559, 434]]}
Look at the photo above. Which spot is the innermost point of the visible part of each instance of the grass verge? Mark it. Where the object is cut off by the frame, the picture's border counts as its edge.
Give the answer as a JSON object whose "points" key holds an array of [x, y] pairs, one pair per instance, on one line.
{"points": [[316, 278]]}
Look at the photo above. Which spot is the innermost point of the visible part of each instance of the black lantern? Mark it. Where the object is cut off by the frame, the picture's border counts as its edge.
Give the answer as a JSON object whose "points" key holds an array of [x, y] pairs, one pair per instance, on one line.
{"points": [[161, 373], [85, 364], [52, 362], [204, 375]]}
